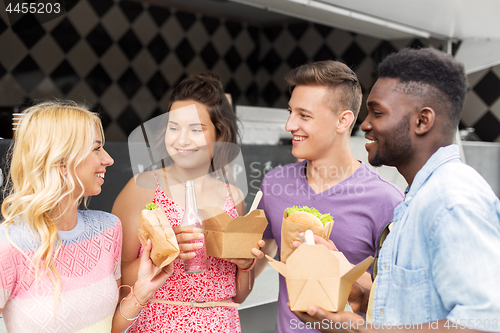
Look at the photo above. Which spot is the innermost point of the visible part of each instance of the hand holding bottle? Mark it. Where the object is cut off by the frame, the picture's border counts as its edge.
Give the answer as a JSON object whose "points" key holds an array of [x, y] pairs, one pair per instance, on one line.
{"points": [[191, 218], [185, 236]]}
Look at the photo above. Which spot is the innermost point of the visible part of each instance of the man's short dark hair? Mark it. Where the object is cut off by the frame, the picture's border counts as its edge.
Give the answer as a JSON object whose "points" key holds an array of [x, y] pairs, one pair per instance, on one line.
{"points": [[421, 69], [337, 77]]}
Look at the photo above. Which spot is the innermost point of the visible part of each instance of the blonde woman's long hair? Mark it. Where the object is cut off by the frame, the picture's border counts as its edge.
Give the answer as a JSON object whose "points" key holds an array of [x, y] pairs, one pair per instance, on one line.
{"points": [[52, 139]]}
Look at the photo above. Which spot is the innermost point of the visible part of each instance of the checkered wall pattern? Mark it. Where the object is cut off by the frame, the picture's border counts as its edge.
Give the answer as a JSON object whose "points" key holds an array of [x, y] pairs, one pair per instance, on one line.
{"points": [[124, 57]]}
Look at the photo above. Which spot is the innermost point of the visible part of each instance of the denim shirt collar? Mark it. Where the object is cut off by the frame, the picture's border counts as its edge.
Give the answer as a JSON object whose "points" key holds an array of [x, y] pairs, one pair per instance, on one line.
{"points": [[441, 156]]}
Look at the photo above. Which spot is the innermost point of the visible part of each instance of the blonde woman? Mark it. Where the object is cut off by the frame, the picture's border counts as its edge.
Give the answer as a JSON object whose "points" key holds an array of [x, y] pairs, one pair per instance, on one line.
{"points": [[60, 265]]}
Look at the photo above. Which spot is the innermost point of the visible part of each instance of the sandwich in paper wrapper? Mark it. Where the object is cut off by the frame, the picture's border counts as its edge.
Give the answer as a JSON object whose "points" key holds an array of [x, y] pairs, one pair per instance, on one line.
{"points": [[299, 219], [317, 276], [156, 226], [226, 237]]}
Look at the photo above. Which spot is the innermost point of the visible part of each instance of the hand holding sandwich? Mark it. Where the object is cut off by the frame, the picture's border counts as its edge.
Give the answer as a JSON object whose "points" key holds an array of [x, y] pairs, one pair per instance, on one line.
{"points": [[148, 279], [299, 219], [317, 240], [312, 218], [156, 228]]}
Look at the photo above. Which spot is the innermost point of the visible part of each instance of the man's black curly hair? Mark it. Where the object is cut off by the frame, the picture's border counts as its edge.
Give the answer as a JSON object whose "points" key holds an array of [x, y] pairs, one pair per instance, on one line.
{"points": [[416, 68]]}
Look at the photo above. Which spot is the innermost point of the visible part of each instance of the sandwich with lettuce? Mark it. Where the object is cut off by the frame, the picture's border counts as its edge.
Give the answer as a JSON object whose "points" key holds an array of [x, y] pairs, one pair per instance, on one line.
{"points": [[310, 217]]}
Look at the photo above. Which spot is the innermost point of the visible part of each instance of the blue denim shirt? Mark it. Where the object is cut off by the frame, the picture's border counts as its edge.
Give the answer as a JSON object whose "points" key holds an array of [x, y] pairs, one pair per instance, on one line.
{"points": [[442, 256]]}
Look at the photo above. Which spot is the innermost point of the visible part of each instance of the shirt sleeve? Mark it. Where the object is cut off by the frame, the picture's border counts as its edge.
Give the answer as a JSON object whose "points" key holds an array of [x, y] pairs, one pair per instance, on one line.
{"points": [[8, 271], [465, 254]]}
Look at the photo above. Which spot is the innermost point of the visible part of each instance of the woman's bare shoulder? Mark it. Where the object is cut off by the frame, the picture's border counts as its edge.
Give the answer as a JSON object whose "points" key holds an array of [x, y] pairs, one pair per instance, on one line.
{"points": [[145, 180], [139, 190], [236, 193]]}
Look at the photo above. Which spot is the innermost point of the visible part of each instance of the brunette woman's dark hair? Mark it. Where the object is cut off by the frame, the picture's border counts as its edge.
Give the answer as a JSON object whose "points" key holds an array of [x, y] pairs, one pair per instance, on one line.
{"points": [[207, 89]]}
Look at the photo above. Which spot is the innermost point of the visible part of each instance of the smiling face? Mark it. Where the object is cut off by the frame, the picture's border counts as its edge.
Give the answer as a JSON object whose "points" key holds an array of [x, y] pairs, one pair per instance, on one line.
{"points": [[189, 133], [91, 171], [387, 125], [312, 122]]}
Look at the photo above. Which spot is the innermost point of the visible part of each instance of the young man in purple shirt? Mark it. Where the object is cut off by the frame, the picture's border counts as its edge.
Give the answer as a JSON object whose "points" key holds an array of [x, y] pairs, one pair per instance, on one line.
{"points": [[325, 101]]}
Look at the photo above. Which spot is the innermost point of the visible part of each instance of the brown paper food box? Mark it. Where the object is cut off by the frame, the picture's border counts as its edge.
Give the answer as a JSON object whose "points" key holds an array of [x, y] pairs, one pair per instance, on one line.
{"points": [[226, 237], [317, 276], [156, 226], [290, 232]]}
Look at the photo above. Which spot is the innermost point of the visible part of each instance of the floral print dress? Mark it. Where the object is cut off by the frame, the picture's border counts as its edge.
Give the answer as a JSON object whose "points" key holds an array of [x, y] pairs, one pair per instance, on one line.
{"points": [[217, 284]]}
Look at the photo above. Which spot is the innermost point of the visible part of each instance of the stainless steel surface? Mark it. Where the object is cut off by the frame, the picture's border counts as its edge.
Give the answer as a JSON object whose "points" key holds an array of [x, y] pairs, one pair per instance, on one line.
{"points": [[485, 158], [227, 9], [262, 126]]}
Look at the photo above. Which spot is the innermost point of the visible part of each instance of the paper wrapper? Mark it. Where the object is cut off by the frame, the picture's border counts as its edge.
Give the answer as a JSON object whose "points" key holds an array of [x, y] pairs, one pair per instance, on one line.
{"points": [[156, 226], [316, 276], [226, 237], [290, 233]]}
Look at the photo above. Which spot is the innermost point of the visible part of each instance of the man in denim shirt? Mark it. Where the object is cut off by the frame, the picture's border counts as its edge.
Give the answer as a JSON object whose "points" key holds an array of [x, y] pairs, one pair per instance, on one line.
{"points": [[439, 267]]}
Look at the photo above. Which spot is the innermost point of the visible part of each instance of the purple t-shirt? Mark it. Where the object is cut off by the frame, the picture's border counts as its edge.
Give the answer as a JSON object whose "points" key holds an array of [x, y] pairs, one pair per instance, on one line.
{"points": [[361, 205]]}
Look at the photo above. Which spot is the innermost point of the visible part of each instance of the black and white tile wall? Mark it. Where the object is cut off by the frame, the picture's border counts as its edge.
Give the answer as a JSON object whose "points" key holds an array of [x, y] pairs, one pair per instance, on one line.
{"points": [[482, 106], [124, 57]]}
